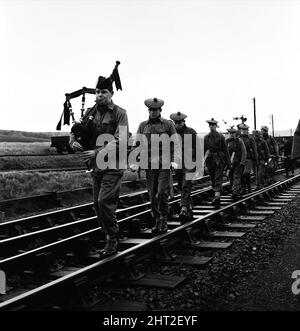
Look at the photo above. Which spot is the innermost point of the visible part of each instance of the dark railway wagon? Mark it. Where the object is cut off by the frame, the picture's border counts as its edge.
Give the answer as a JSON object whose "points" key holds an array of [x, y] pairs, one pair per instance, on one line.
{"points": [[61, 143]]}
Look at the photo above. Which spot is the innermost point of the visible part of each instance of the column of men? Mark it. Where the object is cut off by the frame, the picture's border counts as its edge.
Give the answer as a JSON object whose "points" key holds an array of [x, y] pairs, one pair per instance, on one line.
{"points": [[240, 154]]}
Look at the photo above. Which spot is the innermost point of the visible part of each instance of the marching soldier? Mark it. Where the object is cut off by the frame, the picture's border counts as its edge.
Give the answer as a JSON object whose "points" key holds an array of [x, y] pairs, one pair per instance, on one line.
{"points": [[107, 119], [287, 151], [251, 158], [263, 154], [237, 153], [216, 157], [158, 174], [184, 184], [274, 153]]}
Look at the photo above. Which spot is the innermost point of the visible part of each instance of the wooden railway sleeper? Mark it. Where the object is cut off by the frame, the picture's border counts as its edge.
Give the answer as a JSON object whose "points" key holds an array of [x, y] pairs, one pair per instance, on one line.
{"points": [[131, 272], [162, 251]]}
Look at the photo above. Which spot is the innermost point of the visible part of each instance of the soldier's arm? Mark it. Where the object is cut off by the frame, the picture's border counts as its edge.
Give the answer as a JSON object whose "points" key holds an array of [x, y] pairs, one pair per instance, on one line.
{"points": [[72, 139], [195, 139], [225, 149], [176, 155], [267, 151], [243, 152], [254, 150], [205, 144]]}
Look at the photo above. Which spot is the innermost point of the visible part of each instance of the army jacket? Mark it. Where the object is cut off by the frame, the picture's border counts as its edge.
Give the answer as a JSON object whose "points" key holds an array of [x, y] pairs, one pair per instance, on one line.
{"points": [[192, 149], [272, 144], [158, 127], [237, 151], [250, 145], [106, 120], [215, 148], [263, 152]]}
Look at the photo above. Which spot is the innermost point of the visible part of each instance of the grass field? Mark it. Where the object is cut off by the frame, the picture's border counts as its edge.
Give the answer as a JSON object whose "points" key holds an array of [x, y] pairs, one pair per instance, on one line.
{"points": [[40, 162], [26, 148], [25, 184]]}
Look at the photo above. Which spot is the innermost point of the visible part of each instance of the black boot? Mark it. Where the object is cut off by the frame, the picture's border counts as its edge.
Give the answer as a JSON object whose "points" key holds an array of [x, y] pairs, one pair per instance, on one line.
{"points": [[160, 226], [111, 248], [183, 216], [216, 202]]}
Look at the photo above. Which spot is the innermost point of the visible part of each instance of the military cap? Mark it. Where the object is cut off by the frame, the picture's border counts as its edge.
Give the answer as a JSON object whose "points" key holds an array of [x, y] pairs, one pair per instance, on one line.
{"points": [[265, 128], [212, 121], [177, 116], [232, 130], [244, 126], [104, 83], [154, 103], [256, 132]]}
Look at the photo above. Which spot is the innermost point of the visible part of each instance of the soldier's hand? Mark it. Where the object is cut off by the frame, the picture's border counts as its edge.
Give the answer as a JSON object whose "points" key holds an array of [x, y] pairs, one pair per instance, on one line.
{"points": [[87, 155], [134, 167], [174, 165], [76, 146]]}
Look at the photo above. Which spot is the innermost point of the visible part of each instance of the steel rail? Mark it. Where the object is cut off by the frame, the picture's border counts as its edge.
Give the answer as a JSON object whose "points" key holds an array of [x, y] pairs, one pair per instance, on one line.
{"points": [[103, 268]]}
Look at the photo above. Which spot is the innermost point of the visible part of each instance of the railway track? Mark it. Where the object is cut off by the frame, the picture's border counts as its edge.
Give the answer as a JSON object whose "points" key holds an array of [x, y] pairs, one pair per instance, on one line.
{"points": [[70, 263]]}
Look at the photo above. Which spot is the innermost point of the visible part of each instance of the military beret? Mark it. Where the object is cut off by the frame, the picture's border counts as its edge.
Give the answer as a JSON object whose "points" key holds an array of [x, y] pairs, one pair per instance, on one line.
{"points": [[244, 126], [178, 116], [154, 103], [265, 128], [256, 132], [212, 121], [232, 130]]}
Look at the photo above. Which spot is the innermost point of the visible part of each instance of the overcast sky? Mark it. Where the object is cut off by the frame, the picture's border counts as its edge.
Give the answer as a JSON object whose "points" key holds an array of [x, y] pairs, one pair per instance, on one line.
{"points": [[204, 58]]}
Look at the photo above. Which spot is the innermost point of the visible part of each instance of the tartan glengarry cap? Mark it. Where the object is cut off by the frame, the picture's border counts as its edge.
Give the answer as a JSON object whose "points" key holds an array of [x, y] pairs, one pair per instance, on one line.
{"points": [[212, 121], [265, 128], [232, 130], [256, 133], [244, 126], [178, 116], [154, 103]]}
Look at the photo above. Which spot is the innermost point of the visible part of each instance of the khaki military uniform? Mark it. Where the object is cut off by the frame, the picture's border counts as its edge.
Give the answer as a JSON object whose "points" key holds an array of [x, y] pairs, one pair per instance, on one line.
{"points": [[216, 158], [262, 158], [237, 153], [158, 180], [107, 182], [251, 160], [274, 154], [184, 184]]}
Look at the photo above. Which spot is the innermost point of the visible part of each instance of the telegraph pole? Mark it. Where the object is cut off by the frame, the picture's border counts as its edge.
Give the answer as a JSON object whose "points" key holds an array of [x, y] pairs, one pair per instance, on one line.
{"points": [[272, 125], [254, 113]]}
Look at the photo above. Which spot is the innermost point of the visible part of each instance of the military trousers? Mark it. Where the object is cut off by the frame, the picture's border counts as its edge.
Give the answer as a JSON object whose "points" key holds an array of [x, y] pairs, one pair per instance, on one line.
{"points": [[235, 176], [185, 186], [106, 191], [259, 173], [216, 175], [158, 184]]}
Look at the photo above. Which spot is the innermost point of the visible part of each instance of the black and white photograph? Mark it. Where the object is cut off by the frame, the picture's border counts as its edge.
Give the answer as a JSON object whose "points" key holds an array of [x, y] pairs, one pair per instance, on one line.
{"points": [[149, 159]]}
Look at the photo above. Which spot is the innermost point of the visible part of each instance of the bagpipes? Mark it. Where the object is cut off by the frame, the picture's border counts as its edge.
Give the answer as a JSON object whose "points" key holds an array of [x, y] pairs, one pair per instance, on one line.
{"points": [[82, 129]]}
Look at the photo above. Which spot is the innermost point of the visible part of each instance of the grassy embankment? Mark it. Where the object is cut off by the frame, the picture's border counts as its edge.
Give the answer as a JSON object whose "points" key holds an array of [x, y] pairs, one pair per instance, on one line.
{"points": [[25, 184], [14, 185]]}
